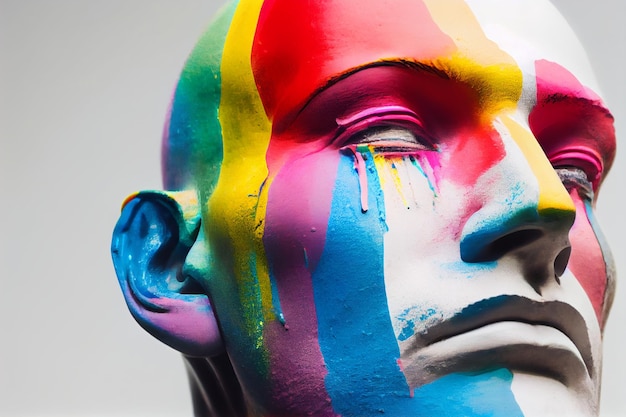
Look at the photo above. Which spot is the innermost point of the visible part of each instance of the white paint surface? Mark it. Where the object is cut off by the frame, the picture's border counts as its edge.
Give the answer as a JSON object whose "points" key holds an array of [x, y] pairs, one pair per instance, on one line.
{"points": [[84, 88]]}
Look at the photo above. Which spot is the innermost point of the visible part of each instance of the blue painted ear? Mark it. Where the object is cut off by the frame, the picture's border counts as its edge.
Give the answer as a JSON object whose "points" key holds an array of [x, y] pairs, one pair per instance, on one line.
{"points": [[160, 256]]}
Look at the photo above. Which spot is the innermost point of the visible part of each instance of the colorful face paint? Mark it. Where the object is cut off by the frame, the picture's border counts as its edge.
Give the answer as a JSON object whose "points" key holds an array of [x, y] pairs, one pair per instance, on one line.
{"points": [[387, 232], [576, 132]]}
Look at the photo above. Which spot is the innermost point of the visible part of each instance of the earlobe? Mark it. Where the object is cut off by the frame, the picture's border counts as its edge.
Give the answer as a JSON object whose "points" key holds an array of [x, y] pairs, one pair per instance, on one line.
{"points": [[151, 243]]}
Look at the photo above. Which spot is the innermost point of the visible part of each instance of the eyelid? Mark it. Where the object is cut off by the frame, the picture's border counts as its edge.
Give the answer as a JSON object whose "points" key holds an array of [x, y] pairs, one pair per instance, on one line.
{"points": [[582, 158], [382, 116], [376, 112]]}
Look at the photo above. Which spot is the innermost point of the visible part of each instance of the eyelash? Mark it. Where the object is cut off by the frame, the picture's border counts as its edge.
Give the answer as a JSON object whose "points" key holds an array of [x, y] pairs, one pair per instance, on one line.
{"points": [[576, 178], [389, 134], [391, 138]]}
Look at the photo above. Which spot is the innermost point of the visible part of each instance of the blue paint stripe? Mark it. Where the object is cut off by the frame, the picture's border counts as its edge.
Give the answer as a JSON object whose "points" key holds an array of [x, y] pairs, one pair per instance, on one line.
{"points": [[607, 254], [355, 331]]}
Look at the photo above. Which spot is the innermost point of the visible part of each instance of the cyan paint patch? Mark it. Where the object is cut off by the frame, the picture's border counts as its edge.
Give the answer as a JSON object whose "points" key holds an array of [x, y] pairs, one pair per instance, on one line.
{"points": [[417, 165], [595, 226], [469, 270], [516, 195], [408, 330], [408, 317], [485, 394]]}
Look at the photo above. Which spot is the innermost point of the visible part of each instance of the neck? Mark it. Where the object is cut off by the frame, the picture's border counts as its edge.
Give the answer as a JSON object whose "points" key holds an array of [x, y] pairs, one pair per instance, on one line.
{"points": [[215, 390]]}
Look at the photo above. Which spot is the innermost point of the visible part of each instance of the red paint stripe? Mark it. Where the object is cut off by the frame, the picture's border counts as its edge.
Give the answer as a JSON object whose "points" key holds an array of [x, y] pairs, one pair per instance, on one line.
{"points": [[300, 45]]}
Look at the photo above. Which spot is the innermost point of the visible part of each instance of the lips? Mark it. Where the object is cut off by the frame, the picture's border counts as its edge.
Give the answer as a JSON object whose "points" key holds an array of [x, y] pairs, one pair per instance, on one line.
{"points": [[545, 338]]}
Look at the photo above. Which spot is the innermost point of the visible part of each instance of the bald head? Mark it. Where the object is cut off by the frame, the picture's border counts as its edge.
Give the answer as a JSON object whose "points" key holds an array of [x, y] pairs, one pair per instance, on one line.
{"points": [[382, 206]]}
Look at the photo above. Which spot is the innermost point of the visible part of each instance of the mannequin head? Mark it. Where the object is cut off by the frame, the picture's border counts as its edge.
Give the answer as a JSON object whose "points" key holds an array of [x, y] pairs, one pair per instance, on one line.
{"points": [[379, 208]]}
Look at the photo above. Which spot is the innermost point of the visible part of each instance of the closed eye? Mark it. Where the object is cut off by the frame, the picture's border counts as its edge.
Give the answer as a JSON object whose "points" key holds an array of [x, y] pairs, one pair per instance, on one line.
{"points": [[574, 178], [582, 158], [385, 129], [391, 138]]}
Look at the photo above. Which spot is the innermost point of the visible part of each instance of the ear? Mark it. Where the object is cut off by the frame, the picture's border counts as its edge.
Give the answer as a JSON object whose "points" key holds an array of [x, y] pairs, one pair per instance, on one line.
{"points": [[152, 242]]}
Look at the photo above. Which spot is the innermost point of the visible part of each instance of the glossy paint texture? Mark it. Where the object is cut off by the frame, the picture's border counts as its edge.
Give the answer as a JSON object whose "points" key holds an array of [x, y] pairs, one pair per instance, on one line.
{"points": [[396, 205]]}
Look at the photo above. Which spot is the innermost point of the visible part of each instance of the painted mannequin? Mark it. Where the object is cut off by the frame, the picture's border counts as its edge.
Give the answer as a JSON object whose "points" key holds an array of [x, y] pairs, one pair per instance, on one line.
{"points": [[379, 207]]}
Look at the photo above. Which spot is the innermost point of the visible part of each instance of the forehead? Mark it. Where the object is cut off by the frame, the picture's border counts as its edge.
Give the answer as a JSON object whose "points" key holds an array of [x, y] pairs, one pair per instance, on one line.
{"points": [[534, 30], [300, 46]]}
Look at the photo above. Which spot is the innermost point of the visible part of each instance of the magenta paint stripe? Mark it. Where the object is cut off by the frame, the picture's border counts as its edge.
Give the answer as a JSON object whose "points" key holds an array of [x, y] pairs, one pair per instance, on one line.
{"points": [[294, 245]]}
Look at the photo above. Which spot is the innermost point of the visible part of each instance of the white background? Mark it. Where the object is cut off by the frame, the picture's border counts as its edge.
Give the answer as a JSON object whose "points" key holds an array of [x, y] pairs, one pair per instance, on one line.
{"points": [[84, 87]]}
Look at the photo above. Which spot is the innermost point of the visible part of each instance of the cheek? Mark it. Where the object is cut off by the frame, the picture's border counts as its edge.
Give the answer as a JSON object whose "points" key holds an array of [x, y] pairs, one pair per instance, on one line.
{"points": [[296, 221], [327, 269], [298, 208], [419, 239], [355, 332], [588, 260]]}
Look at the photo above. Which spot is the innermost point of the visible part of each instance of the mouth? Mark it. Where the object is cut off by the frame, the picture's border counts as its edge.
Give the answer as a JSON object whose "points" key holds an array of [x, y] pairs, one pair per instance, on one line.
{"points": [[543, 338]]}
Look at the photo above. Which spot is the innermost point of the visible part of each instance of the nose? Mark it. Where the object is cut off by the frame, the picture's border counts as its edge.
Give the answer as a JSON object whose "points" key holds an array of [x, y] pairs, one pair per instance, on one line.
{"points": [[526, 212]]}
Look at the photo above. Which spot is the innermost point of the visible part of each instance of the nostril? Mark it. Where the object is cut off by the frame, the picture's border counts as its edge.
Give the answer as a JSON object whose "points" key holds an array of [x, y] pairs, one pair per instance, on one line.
{"points": [[502, 245], [515, 240], [561, 261]]}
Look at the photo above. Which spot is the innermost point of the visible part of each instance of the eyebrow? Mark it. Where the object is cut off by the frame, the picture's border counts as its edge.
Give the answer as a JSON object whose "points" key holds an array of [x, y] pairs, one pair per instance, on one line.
{"points": [[555, 98], [400, 63], [496, 86], [403, 63]]}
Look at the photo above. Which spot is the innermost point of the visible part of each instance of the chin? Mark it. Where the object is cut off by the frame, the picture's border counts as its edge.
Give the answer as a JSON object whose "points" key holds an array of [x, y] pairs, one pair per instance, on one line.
{"points": [[541, 396]]}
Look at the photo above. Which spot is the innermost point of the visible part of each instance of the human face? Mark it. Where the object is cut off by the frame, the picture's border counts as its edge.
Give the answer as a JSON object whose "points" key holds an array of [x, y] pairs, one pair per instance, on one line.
{"points": [[403, 220]]}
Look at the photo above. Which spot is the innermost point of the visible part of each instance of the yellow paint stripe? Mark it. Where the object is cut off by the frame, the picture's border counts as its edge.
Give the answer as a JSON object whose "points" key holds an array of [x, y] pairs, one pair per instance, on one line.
{"points": [[246, 133], [380, 163], [478, 61], [552, 194], [394, 163]]}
